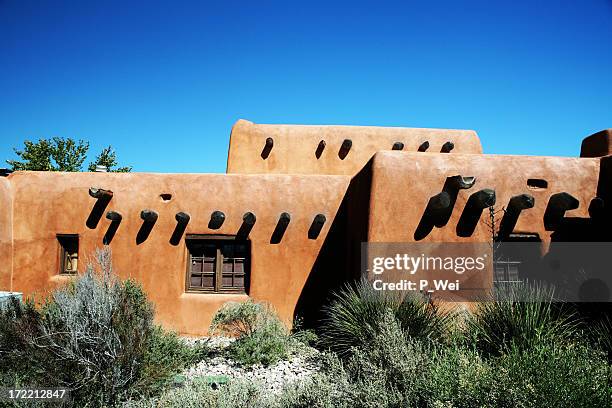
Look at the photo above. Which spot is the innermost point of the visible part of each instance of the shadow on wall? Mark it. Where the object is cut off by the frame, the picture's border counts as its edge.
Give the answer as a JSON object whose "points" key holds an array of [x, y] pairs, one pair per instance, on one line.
{"points": [[339, 261]]}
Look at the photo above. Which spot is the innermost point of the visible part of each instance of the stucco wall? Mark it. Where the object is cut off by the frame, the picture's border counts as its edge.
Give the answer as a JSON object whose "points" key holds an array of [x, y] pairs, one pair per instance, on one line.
{"points": [[6, 234], [403, 183], [294, 146], [47, 204]]}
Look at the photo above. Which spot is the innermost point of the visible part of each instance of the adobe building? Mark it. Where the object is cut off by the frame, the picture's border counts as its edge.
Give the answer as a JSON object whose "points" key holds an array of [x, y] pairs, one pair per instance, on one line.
{"points": [[286, 223]]}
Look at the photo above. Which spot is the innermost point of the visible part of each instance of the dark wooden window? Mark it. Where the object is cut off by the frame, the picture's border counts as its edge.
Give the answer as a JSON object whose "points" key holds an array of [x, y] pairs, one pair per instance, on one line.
{"points": [[217, 264], [507, 271], [69, 254]]}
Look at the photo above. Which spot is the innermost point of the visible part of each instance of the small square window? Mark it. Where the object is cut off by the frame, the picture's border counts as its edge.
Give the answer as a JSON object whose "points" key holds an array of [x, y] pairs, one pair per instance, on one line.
{"points": [[69, 254], [217, 264]]}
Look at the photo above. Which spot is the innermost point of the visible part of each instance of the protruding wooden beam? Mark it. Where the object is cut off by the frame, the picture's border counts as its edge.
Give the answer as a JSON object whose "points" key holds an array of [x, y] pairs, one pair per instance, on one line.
{"points": [[596, 208], [470, 216], [316, 226], [461, 182], [103, 198], [558, 204], [482, 199], [440, 201], [398, 146], [115, 219], [517, 204], [249, 218], [281, 227], [217, 218], [320, 149], [100, 193], [248, 221], [149, 218], [345, 148], [148, 215], [182, 217], [114, 216], [424, 146], [267, 148], [447, 147]]}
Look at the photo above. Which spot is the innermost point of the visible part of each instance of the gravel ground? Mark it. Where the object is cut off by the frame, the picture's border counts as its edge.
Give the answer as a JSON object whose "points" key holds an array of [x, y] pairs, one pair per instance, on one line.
{"points": [[299, 366]]}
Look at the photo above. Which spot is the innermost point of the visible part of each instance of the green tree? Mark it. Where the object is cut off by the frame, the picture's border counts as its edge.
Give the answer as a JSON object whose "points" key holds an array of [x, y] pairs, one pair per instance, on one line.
{"points": [[61, 154], [108, 158]]}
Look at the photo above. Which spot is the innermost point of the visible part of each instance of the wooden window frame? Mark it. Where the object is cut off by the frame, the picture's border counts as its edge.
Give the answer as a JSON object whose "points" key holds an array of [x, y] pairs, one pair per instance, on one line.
{"points": [[62, 253], [218, 271]]}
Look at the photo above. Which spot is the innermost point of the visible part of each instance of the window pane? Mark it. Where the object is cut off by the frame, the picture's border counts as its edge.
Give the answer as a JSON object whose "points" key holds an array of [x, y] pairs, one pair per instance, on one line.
{"points": [[69, 247], [196, 264], [209, 264], [208, 281], [513, 272], [234, 259], [196, 281], [227, 281]]}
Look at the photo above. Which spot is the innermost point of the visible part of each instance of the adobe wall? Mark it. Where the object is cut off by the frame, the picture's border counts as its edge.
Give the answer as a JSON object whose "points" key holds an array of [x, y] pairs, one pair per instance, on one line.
{"points": [[294, 147], [47, 204], [404, 182], [6, 234]]}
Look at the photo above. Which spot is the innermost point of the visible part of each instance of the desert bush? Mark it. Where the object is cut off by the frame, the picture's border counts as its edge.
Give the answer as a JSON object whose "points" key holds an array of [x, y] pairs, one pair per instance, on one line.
{"points": [[94, 336], [261, 338], [600, 333], [387, 371], [165, 356], [393, 370], [566, 375], [199, 394], [522, 316], [355, 312]]}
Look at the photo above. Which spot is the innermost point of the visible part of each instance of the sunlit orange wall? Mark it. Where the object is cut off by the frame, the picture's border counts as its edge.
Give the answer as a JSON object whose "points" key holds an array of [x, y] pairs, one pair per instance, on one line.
{"points": [[6, 234], [47, 204], [402, 184], [294, 146]]}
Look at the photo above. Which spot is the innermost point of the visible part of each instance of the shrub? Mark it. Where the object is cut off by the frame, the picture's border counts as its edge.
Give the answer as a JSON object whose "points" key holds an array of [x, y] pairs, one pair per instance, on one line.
{"points": [[261, 336], [18, 321], [394, 370], [95, 336], [199, 394], [601, 334], [522, 316], [567, 375], [388, 371], [355, 312], [165, 356]]}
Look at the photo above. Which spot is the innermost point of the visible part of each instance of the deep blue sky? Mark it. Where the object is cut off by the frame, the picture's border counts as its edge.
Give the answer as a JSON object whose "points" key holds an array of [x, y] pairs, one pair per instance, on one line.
{"points": [[164, 83]]}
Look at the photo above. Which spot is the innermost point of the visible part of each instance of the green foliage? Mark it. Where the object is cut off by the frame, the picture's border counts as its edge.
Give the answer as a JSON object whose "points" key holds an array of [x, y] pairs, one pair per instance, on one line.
{"points": [[199, 394], [18, 321], [108, 158], [94, 336], [522, 316], [165, 356], [353, 316], [261, 338], [55, 154], [61, 154], [601, 334], [394, 370]]}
